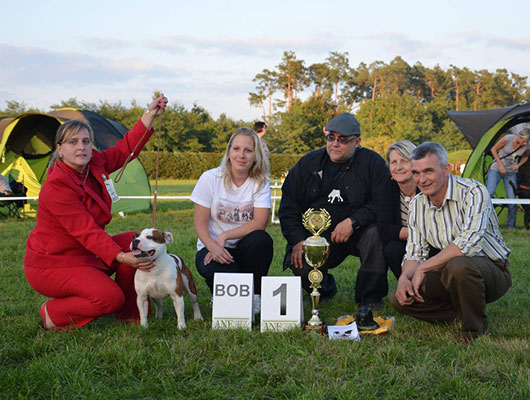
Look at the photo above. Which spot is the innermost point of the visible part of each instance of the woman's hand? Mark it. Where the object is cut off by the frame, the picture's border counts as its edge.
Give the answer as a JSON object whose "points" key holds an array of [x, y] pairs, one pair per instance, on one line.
{"points": [[218, 254], [502, 169], [221, 240], [156, 108], [130, 260]]}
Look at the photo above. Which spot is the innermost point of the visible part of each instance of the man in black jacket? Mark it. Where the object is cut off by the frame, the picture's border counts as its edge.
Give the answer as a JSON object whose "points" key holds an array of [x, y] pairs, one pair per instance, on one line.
{"points": [[349, 182]]}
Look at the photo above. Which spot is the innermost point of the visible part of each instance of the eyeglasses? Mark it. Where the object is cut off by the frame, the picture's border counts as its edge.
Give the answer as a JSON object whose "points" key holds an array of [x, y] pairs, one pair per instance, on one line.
{"points": [[340, 139]]}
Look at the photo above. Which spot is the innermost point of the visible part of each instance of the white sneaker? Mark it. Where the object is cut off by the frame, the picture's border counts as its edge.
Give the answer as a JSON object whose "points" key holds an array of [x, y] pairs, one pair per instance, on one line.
{"points": [[257, 304]]}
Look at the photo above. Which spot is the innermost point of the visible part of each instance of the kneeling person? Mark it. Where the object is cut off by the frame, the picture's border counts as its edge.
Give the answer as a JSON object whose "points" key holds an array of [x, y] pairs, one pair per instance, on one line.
{"points": [[456, 259], [232, 208], [349, 182]]}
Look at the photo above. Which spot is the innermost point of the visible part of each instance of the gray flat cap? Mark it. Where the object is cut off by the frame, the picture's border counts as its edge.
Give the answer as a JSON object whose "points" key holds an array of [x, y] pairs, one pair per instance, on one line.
{"points": [[345, 124]]}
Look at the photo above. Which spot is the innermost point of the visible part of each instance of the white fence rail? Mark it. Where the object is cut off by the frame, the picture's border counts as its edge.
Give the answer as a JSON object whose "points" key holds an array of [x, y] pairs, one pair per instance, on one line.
{"points": [[274, 197]]}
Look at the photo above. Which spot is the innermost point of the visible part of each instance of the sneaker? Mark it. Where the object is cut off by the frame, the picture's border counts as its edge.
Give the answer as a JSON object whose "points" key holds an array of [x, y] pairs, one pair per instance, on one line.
{"points": [[256, 308]]}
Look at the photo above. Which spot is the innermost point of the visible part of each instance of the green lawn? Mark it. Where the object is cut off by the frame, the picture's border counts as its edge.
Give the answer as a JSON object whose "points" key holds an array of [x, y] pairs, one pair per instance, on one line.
{"points": [[173, 187], [109, 360]]}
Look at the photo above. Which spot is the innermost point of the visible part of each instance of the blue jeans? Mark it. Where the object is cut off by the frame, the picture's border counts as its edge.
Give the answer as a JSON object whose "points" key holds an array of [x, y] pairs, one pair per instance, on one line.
{"points": [[510, 182]]}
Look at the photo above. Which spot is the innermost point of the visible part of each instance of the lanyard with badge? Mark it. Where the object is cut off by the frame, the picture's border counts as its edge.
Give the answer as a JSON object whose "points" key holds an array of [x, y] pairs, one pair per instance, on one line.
{"points": [[109, 185]]}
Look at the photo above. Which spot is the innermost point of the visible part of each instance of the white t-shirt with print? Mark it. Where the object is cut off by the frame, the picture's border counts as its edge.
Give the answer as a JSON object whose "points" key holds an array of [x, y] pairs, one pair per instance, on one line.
{"points": [[228, 208]]}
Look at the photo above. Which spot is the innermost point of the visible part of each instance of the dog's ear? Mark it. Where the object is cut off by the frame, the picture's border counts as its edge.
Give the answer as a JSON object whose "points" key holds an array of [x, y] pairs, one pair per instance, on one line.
{"points": [[169, 237]]}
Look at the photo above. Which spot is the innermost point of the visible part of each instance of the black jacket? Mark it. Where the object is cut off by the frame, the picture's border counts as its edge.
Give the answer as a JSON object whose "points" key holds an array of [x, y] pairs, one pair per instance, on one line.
{"points": [[363, 180], [389, 219]]}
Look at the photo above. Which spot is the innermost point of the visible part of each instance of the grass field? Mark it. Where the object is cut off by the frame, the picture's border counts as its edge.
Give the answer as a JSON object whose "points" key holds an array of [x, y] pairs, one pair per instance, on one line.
{"points": [[109, 360]]}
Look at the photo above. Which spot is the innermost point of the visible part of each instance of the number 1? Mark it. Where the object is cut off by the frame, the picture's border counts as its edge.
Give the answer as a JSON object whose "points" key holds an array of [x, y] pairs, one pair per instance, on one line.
{"points": [[282, 291]]}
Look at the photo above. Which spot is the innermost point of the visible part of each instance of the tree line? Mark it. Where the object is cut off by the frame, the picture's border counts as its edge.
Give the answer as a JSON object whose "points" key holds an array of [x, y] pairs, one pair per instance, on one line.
{"points": [[392, 101]]}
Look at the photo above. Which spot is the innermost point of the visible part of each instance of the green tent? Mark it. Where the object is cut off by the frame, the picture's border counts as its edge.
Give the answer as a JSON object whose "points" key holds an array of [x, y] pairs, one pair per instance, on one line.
{"points": [[482, 129], [26, 143]]}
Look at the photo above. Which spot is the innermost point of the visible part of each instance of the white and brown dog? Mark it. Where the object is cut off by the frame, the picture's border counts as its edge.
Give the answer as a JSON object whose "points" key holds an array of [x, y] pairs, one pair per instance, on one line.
{"points": [[169, 277]]}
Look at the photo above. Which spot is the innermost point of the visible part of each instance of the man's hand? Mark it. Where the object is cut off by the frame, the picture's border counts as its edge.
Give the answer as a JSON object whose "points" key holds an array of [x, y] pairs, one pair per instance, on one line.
{"points": [[417, 281], [297, 254], [404, 291], [342, 231]]}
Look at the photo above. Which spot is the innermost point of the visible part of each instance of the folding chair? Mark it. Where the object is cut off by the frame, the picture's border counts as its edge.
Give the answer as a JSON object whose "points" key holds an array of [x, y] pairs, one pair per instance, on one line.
{"points": [[9, 208]]}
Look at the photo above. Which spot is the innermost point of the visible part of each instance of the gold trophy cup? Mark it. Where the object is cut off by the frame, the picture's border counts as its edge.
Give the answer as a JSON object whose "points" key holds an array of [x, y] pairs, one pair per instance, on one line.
{"points": [[316, 251]]}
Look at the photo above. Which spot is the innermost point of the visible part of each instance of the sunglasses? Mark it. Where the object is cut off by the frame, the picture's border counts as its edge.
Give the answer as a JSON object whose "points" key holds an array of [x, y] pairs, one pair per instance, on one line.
{"points": [[340, 139]]}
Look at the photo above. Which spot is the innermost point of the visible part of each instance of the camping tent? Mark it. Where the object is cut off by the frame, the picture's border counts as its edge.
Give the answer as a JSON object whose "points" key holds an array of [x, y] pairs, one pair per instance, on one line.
{"points": [[482, 129], [26, 143]]}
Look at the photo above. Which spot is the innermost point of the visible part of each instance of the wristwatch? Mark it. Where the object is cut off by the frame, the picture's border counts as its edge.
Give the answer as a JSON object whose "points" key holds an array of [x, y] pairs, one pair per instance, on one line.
{"points": [[355, 224]]}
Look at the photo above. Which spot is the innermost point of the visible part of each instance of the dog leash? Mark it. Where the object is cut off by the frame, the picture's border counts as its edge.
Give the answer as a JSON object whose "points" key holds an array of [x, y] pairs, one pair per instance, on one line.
{"points": [[122, 170], [156, 172]]}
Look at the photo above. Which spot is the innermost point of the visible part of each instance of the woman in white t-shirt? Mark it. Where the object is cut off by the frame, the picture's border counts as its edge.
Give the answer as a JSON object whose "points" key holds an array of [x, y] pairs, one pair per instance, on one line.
{"points": [[232, 208]]}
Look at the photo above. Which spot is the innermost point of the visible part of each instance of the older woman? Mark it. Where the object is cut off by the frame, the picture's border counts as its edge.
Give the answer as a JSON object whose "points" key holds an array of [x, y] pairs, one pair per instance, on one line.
{"points": [[69, 256], [393, 226], [509, 153], [232, 207]]}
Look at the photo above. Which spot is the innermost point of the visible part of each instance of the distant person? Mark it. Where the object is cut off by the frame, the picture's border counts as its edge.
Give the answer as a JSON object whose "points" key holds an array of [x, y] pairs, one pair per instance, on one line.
{"points": [[392, 226], [509, 153], [69, 256], [351, 183], [456, 259], [260, 128], [232, 208], [5, 189], [523, 180]]}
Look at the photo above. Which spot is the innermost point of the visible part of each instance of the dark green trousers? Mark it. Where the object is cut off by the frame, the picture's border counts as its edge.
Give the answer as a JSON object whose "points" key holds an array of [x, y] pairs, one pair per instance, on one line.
{"points": [[461, 289]]}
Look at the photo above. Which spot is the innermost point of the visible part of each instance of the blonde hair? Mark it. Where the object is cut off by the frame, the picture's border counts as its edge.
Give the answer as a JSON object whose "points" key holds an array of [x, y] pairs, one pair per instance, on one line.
{"points": [[525, 133], [65, 132], [259, 172], [404, 148]]}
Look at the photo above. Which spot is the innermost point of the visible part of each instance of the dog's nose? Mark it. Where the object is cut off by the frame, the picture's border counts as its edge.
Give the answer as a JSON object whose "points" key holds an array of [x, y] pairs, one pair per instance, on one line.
{"points": [[135, 243]]}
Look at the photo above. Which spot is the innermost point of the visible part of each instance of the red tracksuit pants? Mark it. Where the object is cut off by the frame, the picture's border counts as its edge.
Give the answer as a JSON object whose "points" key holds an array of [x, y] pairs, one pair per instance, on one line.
{"points": [[82, 294]]}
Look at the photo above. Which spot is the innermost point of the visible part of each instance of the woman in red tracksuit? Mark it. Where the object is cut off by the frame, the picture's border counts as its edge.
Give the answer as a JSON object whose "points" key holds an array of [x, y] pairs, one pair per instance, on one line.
{"points": [[69, 256]]}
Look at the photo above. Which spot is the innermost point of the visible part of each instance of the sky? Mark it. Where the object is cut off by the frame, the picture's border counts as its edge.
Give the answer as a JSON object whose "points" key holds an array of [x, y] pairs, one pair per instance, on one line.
{"points": [[207, 52]]}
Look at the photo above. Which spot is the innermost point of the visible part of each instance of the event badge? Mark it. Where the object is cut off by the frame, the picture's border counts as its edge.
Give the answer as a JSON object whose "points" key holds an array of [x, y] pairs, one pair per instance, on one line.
{"points": [[109, 185]]}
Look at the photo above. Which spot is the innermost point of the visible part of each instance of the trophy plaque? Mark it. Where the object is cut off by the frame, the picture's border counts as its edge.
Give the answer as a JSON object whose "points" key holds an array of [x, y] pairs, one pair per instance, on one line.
{"points": [[316, 251]]}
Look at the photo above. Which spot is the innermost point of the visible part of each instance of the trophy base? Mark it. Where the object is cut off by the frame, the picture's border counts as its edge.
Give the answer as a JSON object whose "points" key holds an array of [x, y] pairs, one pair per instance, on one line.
{"points": [[317, 330]]}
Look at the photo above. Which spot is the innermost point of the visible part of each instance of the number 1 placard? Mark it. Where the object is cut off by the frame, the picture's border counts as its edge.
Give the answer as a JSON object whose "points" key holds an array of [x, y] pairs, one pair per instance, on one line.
{"points": [[281, 303]]}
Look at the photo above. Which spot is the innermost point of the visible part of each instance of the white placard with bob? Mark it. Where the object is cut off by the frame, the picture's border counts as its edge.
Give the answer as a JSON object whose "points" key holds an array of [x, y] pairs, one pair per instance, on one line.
{"points": [[233, 295], [281, 303]]}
